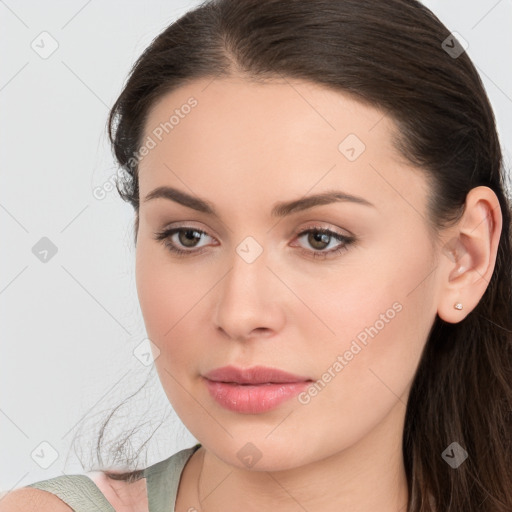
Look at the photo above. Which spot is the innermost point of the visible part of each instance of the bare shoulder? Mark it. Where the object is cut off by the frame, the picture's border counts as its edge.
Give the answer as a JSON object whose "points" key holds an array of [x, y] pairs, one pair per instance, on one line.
{"points": [[123, 496], [28, 499]]}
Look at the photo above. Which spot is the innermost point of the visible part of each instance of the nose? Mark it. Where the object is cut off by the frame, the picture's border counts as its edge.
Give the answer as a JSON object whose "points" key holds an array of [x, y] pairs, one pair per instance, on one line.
{"points": [[249, 302]]}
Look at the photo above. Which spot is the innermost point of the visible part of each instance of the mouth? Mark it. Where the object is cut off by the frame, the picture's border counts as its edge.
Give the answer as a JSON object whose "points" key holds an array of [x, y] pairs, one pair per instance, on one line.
{"points": [[253, 390]]}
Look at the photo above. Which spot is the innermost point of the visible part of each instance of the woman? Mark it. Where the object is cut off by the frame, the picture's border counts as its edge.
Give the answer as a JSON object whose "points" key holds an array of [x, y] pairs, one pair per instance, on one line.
{"points": [[323, 264]]}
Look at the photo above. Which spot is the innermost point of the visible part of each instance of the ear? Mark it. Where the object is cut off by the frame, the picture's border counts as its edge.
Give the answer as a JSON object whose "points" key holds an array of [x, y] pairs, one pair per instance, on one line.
{"points": [[469, 255]]}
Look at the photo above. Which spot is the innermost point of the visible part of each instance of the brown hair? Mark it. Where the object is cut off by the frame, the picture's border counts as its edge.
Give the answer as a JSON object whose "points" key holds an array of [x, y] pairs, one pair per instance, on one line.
{"points": [[391, 55]]}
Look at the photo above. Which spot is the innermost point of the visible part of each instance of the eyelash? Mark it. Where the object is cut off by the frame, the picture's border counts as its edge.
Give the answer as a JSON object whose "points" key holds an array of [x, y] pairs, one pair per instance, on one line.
{"points": [[165, 236]]}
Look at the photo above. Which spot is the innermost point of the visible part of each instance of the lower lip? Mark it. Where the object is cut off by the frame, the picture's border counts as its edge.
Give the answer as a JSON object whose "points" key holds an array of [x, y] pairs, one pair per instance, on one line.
{"points": [[253, 399]]}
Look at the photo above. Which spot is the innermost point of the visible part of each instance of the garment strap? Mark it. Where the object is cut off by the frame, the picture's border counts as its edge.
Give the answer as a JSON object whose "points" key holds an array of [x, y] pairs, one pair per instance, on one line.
{"points": [[77, 491], [163, 478]]}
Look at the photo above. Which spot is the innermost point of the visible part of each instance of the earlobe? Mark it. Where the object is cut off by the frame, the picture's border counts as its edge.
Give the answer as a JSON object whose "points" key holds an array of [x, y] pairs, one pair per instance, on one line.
{"points": [[469, 256]]}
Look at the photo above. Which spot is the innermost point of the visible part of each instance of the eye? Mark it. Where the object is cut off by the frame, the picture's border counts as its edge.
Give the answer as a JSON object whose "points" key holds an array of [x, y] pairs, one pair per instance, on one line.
{"points": [[187, 237], [320, 238]]}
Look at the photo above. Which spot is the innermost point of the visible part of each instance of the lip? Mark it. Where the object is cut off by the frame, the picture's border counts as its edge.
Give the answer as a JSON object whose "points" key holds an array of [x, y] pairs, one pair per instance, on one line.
{"points": [[253, 390], [253, 375]]}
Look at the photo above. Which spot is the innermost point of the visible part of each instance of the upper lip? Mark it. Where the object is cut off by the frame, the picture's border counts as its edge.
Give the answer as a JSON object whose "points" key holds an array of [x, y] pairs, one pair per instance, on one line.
{"points": [[253, 375]]}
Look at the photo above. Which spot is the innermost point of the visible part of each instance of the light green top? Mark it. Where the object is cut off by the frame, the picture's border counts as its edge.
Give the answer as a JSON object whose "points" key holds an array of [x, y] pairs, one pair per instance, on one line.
{"points": [[83, 495]]}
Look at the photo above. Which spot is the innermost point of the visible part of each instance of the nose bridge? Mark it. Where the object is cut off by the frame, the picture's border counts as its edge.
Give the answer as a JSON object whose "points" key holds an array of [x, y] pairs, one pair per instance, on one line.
{"points": [[243, 283], [246, 299]]}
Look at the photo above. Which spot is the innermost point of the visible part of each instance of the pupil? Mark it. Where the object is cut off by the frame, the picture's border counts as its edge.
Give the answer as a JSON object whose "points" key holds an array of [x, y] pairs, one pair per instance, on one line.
{"points": [[188, 233], [320, 237]]}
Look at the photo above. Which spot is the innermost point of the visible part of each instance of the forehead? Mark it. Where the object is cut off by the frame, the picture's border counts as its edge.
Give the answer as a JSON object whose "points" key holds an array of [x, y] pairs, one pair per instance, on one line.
{"points": [[292, 135], [297, 110]]}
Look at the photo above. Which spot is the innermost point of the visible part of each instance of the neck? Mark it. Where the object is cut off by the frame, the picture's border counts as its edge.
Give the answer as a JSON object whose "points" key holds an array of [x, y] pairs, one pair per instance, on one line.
{"points": [[367, 476]]}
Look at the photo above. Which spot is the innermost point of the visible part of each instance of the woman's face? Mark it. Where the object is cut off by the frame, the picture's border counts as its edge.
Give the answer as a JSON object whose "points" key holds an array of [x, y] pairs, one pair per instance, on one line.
{"points": [[352, 316]]}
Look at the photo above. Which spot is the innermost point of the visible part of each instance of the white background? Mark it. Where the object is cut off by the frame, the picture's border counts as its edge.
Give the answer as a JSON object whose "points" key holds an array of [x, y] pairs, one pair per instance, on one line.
{"points": [[70, 325]]}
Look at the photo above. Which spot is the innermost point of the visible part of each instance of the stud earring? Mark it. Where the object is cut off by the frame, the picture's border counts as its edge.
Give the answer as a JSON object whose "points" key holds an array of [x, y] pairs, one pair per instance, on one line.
{"points": [[457, 305]]}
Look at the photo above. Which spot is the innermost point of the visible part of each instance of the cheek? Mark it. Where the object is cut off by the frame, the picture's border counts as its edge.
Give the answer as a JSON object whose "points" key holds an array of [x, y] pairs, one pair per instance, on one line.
{"points": [[154, 303], [171, 297], [167, 297], [166, 292], [381, 316]]}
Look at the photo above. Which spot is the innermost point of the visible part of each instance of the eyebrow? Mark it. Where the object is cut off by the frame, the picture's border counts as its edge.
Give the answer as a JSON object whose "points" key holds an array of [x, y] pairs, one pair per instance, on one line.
{"points": [[281, 209]]}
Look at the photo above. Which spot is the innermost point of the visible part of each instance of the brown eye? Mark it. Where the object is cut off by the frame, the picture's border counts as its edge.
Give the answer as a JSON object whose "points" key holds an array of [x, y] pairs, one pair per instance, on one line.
{"points": [[188, 237], [318, 240], [186, 243]]}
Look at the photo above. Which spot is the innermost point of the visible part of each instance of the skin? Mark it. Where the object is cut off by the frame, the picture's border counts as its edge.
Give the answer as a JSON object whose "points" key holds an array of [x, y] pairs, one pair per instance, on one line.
{"points": [[244, 147]]}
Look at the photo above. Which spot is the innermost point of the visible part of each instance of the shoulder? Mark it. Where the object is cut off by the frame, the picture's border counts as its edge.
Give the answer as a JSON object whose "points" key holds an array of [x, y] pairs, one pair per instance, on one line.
{"points": [[27, 499], [122, 496]]}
